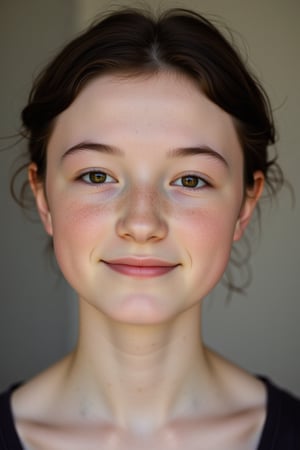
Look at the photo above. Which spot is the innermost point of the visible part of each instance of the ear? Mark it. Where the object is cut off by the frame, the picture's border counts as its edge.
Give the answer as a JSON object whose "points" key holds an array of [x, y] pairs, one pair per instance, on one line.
{"points": [[38, 189], [252, 196]]}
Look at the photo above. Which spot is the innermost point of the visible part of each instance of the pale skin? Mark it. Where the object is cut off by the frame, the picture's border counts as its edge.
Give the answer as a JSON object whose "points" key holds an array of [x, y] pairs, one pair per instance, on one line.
{"points": [[122, 182]]}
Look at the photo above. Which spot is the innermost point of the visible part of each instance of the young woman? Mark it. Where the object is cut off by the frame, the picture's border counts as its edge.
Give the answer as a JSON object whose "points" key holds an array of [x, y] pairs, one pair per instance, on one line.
{"points": [[148, 153]]}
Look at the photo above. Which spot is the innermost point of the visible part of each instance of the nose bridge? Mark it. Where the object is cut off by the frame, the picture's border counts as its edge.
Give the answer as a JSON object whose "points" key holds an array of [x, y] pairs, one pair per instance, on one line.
{"points": [[144, 200], [142, 217]]}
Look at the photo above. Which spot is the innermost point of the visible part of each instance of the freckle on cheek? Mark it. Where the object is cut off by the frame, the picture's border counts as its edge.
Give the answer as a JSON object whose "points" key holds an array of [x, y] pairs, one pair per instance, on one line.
{"points": [[78, 216]]}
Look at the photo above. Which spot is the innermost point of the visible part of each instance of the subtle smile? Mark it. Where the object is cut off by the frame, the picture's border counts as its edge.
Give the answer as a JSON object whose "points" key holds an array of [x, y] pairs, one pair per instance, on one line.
{"points": [[140, 267]]}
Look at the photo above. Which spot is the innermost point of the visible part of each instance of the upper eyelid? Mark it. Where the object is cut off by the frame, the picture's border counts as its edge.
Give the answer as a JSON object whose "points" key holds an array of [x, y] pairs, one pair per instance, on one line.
{"points": [[201, 177], [93, 170], [89, 171], [190, 174]]}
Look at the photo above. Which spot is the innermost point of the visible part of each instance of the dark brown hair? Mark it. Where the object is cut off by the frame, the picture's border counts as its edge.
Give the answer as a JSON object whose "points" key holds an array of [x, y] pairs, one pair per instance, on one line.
{"points": [[134, 42]]}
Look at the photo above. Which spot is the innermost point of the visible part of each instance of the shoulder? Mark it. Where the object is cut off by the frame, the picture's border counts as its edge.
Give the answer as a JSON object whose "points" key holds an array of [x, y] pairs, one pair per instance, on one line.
{"points": [[8, 436], [282, 426]]}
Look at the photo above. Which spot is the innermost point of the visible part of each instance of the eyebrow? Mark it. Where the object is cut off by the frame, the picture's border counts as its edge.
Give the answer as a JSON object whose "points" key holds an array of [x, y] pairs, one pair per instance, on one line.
{"points": [[199, 150], [174, 153], [96, 146]]}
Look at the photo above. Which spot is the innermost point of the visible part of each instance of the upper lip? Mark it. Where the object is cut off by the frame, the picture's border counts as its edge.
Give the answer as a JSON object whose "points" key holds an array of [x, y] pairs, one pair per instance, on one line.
{"points": [[140, 262]]}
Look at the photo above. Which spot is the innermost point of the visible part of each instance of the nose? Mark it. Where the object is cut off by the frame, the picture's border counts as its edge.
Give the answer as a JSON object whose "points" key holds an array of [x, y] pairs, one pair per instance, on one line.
{"points": [[141, 219]]}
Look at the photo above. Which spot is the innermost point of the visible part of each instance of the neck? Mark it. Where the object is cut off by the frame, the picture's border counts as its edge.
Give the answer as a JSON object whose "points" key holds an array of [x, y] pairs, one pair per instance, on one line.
{"points": [[144, 375]]}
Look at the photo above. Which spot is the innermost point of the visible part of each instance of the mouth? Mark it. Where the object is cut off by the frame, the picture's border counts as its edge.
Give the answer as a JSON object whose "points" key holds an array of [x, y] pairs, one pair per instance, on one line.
{"points": [[140, 267]]}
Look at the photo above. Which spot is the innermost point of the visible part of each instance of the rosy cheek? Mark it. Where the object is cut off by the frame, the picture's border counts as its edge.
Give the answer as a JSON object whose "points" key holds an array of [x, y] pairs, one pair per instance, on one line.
{"points": [[206, 227], [78, 227]]}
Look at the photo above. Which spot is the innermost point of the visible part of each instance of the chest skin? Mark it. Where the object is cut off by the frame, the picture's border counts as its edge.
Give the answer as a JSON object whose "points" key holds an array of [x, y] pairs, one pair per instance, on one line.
{"points": [[238, 432]]}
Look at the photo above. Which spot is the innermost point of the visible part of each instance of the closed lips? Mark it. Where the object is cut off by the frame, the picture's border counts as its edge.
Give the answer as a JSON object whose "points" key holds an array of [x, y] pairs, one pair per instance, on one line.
{"points": [[140, 267]]}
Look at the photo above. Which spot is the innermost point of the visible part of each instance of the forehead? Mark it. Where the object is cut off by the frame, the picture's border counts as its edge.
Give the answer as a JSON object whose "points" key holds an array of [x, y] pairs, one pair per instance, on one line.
{"points": [[161, 109]]}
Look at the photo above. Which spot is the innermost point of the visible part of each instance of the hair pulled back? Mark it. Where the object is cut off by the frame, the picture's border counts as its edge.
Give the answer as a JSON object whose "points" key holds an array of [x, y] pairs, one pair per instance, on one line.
{"points": [[134, 42]]}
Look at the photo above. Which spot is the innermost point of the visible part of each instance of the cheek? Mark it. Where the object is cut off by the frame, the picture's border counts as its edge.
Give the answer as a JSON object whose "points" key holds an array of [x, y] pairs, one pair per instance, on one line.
{"points": [[207, 236], [72, 216], [77, 229], [209, 222]]}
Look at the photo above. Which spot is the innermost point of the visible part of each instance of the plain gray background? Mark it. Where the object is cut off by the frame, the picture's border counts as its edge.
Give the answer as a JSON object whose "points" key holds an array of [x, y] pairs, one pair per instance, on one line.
{"points": [[260, 331]]}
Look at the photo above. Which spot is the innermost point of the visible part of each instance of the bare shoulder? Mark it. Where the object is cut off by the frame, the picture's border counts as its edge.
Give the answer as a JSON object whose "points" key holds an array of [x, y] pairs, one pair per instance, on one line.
{"points": [[241, 388], [30, 398], [32, 401], [242, 404], [45, 416], [234, 420]]}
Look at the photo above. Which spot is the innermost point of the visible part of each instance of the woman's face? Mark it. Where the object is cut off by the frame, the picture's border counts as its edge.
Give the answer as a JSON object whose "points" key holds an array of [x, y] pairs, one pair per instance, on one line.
{"points": [[145, 195]]}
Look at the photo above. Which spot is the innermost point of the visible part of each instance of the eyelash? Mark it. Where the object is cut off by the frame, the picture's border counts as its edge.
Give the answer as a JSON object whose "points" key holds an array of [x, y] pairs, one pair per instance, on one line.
{"points": [[90, 173], [107, 179], [192, 177]]}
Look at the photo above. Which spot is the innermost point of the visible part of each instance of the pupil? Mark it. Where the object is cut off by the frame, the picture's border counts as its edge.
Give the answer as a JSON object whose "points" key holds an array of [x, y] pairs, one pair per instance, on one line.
{"points": [[190, 181], [98, 177]]}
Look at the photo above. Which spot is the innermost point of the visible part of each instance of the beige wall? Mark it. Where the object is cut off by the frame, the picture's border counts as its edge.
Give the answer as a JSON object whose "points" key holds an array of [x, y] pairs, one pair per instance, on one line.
{"points": [[37, 314], [261, 330]]}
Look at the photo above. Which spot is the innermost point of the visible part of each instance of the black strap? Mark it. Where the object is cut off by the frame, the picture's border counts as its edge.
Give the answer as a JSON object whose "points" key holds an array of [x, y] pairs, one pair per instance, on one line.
{"points": [[9, 439]]}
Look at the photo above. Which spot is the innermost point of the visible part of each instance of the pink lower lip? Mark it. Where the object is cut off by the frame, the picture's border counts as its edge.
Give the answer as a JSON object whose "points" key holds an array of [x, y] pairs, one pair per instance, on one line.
{"points": [[140, 271]]}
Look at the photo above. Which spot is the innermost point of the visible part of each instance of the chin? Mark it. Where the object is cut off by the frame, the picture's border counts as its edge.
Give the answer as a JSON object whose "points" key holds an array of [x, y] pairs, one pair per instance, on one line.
{"points": [[142, 310]]}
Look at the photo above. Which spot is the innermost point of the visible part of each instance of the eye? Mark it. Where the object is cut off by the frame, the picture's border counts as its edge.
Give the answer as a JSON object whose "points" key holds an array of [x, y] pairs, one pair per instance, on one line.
{"points": [[96, 177], [190, 181]]}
